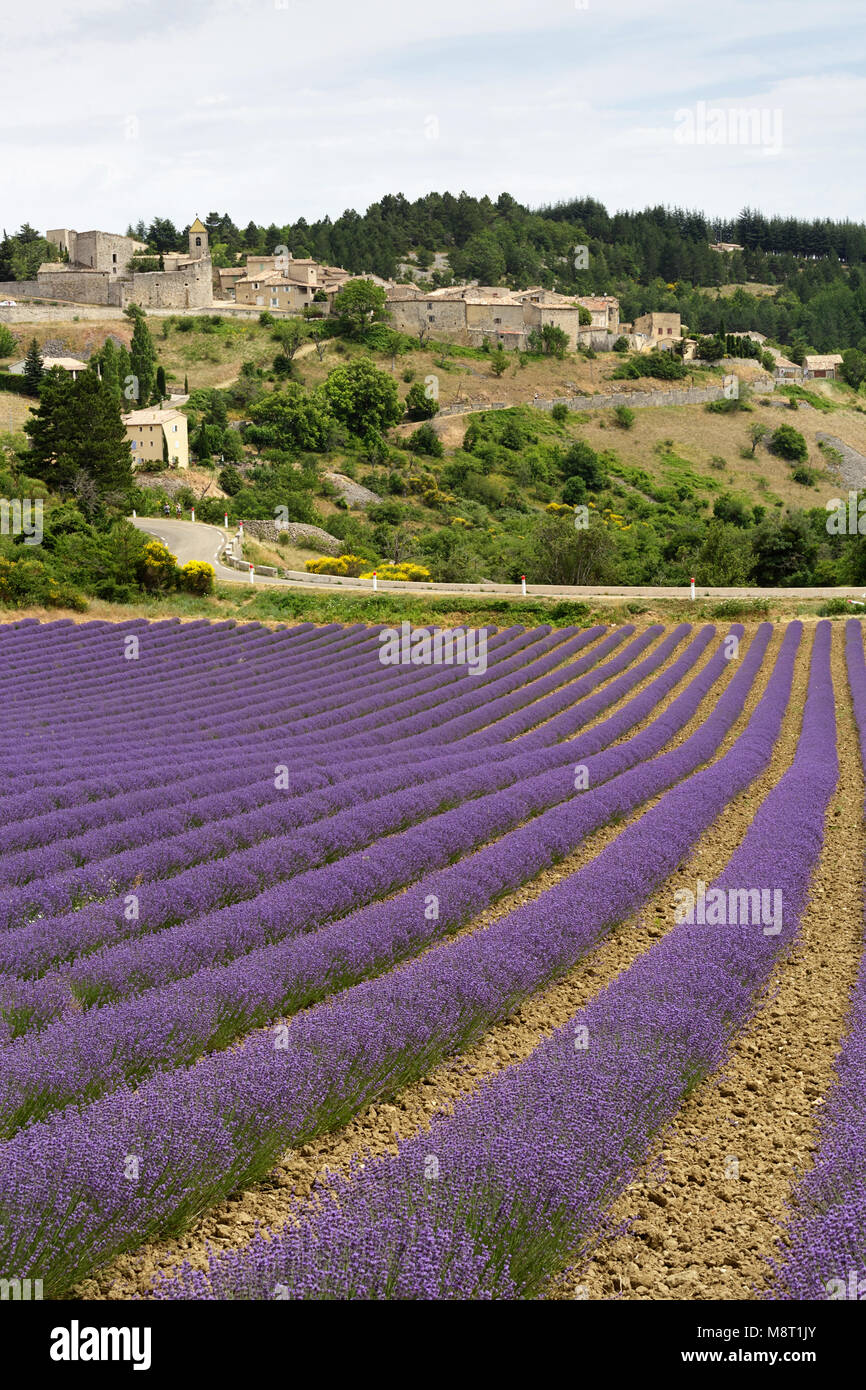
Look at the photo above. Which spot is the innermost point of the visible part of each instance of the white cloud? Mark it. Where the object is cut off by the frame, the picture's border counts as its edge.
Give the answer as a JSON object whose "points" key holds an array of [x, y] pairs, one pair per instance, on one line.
{"points": [[113, 112]]}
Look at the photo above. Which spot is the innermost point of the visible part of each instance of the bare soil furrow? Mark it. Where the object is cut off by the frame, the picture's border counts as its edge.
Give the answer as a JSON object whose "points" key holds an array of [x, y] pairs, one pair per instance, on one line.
{"points": [[706, 1216]]}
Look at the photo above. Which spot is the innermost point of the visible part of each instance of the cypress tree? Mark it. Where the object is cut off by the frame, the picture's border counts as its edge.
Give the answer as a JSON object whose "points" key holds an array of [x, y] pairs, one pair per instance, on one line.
{"points": [[143, 356], [110, 364], [129, 401]]}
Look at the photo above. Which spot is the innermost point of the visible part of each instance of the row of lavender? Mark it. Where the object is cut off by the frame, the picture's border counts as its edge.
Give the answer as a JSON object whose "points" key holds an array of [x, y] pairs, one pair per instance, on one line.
{"points": [[99, 1177], [524, 693], [85, 1054], [825, 1256], [221, 820], [513, 1185], [235, 703], [29, 949]]}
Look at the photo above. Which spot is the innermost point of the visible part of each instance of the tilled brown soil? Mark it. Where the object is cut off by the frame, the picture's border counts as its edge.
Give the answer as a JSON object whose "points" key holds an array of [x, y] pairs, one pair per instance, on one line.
{"points": [[704, 1222], [376, 1129]]}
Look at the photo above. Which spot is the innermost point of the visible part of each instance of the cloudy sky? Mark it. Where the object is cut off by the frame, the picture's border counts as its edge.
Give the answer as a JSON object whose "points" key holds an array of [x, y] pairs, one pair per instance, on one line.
{"points": [[277, 109]]}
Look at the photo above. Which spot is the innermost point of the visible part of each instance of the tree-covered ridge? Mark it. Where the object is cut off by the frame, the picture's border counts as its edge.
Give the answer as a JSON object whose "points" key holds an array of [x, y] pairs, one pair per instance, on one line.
{"points": [[529, 244], [657, 259]]}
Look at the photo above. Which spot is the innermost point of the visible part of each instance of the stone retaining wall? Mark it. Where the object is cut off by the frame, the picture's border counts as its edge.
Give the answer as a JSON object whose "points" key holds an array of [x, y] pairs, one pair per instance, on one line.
{"points": [[236, 562], [26, 312], [692, 395]]}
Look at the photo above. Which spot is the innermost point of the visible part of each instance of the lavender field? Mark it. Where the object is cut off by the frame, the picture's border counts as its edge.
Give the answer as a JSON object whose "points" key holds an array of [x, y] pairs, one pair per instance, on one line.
{"points": [[326, 975]]}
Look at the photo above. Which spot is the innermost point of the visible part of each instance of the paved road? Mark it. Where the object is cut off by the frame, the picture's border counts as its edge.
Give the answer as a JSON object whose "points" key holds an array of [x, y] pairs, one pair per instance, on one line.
{"points": [[191, 540], [194, 540]]}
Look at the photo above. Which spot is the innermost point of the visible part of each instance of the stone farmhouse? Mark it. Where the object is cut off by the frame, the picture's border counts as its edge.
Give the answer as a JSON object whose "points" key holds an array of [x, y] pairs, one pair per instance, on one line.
{"points": [[475, 314], [156, 435], [822, 365], [68, 364], [97, 271]]}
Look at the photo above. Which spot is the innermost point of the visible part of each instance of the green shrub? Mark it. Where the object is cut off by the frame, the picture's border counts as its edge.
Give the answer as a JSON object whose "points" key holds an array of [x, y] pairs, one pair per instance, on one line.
{"points": [[788, 443], [420, 406], [662, 365], [572, 610], [740, 608], [732, 509], [836, 606], [574, 491], [559, 413], [230, 480], [426, 441], [582, 460], [26, 581], [624, 417]]}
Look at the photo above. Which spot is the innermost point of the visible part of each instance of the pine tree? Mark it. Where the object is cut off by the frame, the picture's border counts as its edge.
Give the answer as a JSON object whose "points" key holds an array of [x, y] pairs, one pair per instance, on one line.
{"points": [[186, 385], [51, 431], [77, 429], [34, 371], [100, 445], [161, 390]]}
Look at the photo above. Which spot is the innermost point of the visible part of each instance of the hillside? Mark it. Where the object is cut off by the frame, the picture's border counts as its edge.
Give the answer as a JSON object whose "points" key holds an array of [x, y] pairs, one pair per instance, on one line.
{"points": [[488, 493], [211, 355]]}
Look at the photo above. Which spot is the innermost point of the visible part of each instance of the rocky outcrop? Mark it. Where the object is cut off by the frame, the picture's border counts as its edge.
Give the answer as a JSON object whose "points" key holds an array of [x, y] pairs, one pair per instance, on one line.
{"points": [[299, 533], [352, 492], [851, 464]]}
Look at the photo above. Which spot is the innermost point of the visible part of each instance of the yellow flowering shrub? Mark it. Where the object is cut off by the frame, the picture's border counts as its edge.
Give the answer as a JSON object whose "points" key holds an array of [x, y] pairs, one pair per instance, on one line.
{"points": [[197, 577], [406, 571], [348, 566]]}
